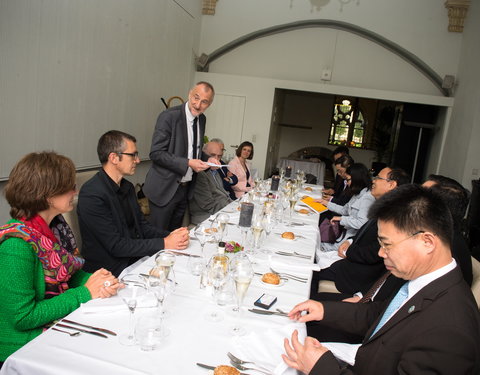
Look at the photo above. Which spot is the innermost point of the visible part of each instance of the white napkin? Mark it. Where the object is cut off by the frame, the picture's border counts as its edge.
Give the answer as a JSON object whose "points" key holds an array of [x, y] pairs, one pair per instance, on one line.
{"points": [[326, 258], [114, 304], [342, 351], [266, 347], [288, 264]]}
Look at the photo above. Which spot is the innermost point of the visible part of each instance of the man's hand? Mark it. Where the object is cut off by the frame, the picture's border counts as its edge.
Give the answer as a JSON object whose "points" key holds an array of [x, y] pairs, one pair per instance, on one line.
{"points": [[328, 191], [353, 299], [303, 357], [342, 249], [197, 165], [214, 161], [177, 240], [335, 218], [313, 308]]}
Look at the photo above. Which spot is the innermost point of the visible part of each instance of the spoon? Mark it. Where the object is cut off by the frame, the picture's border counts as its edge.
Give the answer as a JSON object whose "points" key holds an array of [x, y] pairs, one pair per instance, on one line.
{"points": [[73, 334]]}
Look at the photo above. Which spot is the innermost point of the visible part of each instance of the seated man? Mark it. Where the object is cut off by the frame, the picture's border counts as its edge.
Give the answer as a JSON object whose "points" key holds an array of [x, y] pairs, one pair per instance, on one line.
{"points": [[209, 195], [361, 265], [432, 324], [114, 231], [228, 178]]}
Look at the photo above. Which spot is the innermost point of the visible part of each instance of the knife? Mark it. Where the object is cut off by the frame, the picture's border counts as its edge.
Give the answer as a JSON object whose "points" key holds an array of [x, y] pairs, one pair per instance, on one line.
{"points": [[104, 330], [266, 312], [184, 254], [83, 330], [206, 366]]}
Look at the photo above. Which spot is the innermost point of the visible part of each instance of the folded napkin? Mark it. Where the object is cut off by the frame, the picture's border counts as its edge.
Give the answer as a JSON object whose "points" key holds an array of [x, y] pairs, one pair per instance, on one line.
{"points": [[291, 264], [114, 304], [265, 347], [315, 205], [342, 351], [326, 258]]}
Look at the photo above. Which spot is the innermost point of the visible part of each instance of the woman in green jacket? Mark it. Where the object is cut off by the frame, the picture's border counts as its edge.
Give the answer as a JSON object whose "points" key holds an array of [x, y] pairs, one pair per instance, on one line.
{"points": [[40, 274]]}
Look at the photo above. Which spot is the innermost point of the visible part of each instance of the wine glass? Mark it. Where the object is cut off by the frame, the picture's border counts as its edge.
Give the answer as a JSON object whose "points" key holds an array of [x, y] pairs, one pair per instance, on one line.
{"points": [[221, 221], [217, 276], [157, 284], [257, 229], [242, 272], [129, 295], [293, 201], [202, 236]]}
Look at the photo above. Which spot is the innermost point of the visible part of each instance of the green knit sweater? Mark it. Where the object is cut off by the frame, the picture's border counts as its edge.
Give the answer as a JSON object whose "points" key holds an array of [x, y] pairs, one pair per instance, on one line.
{"points": [[24, 311]]}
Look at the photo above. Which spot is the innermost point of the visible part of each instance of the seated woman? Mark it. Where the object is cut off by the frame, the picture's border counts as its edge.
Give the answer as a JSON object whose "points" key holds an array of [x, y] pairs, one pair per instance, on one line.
{"points": [[240, 166], [353, 214], [41, 279]]}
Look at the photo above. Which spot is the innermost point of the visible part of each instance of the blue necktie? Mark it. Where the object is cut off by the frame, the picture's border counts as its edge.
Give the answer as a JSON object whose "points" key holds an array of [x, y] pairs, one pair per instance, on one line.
{"points": [[396, 302]]}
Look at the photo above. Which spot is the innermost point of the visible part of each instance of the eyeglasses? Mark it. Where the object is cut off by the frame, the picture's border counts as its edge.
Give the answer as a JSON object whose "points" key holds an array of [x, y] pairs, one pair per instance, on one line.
{"points": [[382, 178], [132, 154], [387, 248]]}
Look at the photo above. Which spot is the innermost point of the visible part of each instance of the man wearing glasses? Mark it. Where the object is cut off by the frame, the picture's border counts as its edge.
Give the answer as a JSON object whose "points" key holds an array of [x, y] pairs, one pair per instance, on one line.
{"points": [[430, 325], [114, 231]]}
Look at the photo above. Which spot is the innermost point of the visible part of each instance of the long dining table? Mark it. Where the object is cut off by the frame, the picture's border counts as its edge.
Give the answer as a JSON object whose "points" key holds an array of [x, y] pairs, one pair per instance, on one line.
{"points": [[193, 338]]}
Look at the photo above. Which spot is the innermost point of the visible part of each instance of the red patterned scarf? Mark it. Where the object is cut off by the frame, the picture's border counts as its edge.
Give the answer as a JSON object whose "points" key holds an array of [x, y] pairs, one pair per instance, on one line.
{"points": [[58, 264]]}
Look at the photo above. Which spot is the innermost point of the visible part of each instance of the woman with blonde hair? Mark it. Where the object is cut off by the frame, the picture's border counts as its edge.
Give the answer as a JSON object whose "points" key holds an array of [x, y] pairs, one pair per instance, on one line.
{"points": [[40, 273]]}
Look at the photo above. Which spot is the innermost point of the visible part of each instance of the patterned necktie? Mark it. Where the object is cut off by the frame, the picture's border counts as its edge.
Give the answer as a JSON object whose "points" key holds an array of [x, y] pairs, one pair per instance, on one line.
{"points": [[396, 302], [376, 286], [195, 140]]}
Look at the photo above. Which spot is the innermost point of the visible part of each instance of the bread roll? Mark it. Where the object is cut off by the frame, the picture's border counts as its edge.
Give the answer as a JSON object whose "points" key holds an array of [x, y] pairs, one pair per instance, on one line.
{"points": [[288, 235], [308, 188], [271, 278], [225, 370], [303, 211]]}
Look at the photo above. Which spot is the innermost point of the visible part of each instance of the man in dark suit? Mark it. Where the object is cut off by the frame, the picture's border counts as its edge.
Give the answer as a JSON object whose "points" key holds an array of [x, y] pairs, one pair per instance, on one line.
{"points": [[361, 265], [176, 155], [228, 178], [431, 325], [209, 195], [114, 231]]}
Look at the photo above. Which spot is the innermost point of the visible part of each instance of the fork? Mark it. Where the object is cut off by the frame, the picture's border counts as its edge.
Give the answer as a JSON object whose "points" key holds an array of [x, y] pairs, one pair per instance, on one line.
{"points": [[244, 368], [294, 277], [284, 253], [242, 362]]}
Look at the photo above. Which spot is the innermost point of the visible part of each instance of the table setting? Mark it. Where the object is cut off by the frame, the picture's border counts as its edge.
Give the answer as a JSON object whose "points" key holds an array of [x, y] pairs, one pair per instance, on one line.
{"points": [[183, 312]]}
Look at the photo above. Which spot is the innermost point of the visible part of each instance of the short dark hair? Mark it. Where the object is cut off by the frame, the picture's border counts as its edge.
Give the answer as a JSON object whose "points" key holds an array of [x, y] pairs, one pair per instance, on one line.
{"points": [[455, 196], [340, 150], [344, 161], [112, 141], [238, 151], [37, 177], [207, 85], [399, 176], [412, 208], [360, 178]]}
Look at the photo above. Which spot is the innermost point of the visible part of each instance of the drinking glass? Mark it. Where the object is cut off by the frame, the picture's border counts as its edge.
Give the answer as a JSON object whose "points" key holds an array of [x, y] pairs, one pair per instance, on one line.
{"points": [[217, 276], [158, 285], [293, 201], [257, 230], [196, 265], [242, 272], [129, 295], [202, 236], [222, 222]]}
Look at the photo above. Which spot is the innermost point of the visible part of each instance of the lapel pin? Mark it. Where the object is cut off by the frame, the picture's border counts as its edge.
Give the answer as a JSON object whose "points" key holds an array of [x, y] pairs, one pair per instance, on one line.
{"points": [[411, 309]]}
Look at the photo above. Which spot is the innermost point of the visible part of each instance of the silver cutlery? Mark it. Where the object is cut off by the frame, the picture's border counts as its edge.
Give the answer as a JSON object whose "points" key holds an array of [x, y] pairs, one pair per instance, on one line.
{"points": [[104, 330], [284, 253], [208, 367], [244, 368], [242, 362], [290, 276], [182, 254], [72, 334], [266, 312], [82, 330]]}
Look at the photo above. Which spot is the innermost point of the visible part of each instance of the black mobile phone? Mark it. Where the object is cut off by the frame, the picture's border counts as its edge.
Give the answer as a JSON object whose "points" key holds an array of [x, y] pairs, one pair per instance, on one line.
{"points": [[265, 301]]}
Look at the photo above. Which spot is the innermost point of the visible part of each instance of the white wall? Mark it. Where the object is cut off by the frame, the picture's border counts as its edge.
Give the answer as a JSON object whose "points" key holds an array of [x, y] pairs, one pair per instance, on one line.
{"points": [[462, 145], [418, 26]]}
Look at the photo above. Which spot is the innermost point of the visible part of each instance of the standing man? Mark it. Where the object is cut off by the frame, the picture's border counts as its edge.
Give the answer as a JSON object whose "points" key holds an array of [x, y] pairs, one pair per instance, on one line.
{"points": [[176, 157], [114, 231]]}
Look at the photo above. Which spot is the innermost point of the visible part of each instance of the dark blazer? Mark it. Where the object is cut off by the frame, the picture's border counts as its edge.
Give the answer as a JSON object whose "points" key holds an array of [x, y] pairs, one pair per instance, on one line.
{"points": [[436, 331], [106, 240], [169, 155], [227, 185], [362, 265]]}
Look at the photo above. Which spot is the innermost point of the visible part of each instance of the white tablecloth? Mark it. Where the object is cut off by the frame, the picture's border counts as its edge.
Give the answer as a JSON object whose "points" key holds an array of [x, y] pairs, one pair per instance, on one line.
{"points": [[317, 169], [192, 338]]}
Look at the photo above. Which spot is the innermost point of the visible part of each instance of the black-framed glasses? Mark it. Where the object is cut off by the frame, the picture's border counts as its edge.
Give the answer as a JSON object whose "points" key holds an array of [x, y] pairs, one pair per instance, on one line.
{"points": [[387, 248], [132, 154], [382, 178]]}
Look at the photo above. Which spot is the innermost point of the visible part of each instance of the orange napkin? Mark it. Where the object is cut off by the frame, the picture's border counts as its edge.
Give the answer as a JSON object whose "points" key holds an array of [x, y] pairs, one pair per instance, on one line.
{"points": [[315, 205]]}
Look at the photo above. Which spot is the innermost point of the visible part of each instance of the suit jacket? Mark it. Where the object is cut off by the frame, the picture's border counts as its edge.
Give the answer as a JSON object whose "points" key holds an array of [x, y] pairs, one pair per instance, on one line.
{"points": [[169, 155], [227, 185], [362, 265], [436, 331], [106, 240], [209, 196], [236, 168]]}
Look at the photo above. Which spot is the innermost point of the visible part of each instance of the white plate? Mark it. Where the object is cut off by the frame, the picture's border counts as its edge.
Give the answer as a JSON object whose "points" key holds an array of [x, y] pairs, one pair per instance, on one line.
{"points": [[282, 283]]}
